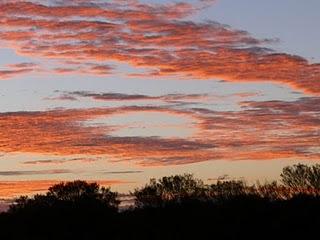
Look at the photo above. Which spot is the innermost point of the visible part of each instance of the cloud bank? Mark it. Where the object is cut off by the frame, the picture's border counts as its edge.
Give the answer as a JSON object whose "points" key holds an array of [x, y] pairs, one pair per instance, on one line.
{"points": [[155, 37], [261, 130]]}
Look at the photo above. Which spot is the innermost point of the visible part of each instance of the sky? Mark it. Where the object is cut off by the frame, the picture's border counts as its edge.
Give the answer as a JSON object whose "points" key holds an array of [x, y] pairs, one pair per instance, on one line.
{"points": [[123, 91]]}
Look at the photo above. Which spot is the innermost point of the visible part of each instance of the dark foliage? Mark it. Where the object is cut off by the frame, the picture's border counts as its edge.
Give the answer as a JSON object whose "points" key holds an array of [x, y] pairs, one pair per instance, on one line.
{"points": [[169, 190], [301, 176], [175, 207]]}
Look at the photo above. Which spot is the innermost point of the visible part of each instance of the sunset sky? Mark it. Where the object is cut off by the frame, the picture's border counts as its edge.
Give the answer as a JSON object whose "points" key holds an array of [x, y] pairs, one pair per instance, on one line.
{"points": [[122, 91]]}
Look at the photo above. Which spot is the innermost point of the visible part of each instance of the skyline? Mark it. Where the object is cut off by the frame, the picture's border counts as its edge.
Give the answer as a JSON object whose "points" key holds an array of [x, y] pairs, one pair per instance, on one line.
{"points": [[123, 91]]}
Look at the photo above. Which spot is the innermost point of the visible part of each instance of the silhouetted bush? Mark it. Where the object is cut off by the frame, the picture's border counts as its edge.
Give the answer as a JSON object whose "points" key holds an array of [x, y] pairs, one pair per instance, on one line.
{"points": [[175, 207], [168, 190], [301, 176], [75, 194], [228, 190], [73, 210]]}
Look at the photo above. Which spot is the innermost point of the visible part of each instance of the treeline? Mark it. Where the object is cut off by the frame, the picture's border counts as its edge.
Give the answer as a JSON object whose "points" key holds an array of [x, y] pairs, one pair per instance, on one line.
{"points": [[174, 207]]}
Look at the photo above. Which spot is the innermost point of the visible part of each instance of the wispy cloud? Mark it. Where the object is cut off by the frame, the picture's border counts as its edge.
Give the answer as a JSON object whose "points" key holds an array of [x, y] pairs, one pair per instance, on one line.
{"points": [[156, 37], [83, 68], [259, 131], [14, 70], [60, 161], [112, 96], [121, 172], [38, 172]]}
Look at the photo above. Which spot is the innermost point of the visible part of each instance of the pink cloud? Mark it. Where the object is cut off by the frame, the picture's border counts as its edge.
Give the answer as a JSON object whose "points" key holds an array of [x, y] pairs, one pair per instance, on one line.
{"points": [[153, 37], [259, 131]]}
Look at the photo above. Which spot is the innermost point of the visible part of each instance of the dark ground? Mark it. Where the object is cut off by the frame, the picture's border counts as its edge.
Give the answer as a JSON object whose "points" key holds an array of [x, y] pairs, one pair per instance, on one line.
{"points": [[298, 218]]}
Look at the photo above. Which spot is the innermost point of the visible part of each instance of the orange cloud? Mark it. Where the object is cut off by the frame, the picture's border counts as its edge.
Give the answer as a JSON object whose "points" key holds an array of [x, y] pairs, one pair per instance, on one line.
{"points": [[13, 70], [89, 68], [150, 36], [12, 189], [63, 132], [260, 131]]}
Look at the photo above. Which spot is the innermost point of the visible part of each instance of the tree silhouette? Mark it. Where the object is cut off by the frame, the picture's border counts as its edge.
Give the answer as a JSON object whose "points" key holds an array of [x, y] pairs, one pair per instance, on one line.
{"points": [[273, 191], [228, 190], [81, 190], [172, 189], [301, 176], [76, 194], [174, 207]]}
